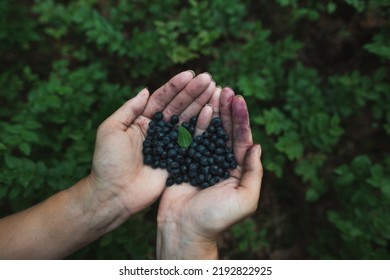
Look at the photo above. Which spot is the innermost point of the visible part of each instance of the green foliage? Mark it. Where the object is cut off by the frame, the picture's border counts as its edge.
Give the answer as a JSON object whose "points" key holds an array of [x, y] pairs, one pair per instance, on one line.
{"points": [[315, 75]]}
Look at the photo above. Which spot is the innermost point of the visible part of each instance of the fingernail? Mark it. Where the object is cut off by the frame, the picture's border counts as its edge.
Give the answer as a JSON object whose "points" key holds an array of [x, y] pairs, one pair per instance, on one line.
{"points": [[211, 77], [209, 104], [240, 96], [213, 81], [192, 72], [218, 86], [258, 150]]}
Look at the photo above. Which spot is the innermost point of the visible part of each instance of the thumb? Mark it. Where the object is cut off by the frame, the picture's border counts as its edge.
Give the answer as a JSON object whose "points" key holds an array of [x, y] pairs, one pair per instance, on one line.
{"points": [[132, 108], [252, 174]]}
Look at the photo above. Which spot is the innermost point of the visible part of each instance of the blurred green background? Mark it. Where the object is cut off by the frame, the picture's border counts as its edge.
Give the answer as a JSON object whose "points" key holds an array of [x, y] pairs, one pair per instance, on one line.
{"points": [[314, 73]]}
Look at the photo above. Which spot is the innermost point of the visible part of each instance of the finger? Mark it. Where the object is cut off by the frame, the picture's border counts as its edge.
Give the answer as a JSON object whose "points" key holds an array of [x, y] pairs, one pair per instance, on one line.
{"points": [[194, 88], [132, 108], [214, 101], [225, 106], [197, 105], [166, 93], [204, 119], [252, 176], [242, 134]]}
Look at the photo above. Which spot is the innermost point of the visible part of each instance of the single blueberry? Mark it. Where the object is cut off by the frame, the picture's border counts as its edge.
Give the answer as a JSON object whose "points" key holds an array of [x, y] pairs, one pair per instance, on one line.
{"points": [[148, 159], [193, 120], [158, 116], [170, 181], [174, 119], [205, 185], [172, 153], [216, 122]]}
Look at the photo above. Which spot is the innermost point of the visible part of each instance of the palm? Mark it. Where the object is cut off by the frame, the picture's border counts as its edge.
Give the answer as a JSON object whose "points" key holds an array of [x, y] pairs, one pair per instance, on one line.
{"points": [[207, 212], [118, 160]]}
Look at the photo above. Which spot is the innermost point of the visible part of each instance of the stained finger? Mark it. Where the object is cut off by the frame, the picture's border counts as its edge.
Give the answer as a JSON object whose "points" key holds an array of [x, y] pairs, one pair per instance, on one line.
{"points": [[242, 134], [225, 107]]}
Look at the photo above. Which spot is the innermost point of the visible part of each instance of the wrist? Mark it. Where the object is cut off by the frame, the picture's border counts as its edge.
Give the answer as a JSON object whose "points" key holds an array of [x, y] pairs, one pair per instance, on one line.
{"points": [[99, 205], [175, 241]]}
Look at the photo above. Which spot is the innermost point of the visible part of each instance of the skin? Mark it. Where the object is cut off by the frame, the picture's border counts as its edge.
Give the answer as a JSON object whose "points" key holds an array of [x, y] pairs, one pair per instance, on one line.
{"points": [[190, 219], [120, 185]]}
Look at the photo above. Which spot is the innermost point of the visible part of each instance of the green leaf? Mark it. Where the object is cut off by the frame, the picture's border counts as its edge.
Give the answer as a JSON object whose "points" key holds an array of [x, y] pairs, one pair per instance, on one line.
{"points": [[291, 145], [184, 138]]}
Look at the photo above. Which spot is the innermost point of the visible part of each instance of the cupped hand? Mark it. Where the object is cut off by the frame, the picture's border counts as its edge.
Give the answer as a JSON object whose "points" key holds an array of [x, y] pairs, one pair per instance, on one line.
{"points": [[118, 170], [190, 218]]}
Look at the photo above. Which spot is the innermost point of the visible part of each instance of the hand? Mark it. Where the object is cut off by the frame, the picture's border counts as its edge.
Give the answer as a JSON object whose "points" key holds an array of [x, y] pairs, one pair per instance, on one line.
{"points": [[118, 171], [190, 219]]}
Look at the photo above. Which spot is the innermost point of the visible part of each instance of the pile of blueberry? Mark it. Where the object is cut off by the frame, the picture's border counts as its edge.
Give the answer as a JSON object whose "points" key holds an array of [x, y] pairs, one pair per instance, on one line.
{"points": [[205, 162]]}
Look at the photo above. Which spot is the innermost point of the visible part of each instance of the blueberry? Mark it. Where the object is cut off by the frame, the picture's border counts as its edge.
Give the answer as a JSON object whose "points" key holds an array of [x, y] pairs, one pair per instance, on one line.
{"points": [[161, 124], [172, 153], [175, 172], [214, 170], [233, 164], [186, 125], [201, 149], [212, 146], [178, 180], [229, 149], [211, 129], [204, 161], [148, 159], [147, 150], [201, 178], [166, 140], [158, 116], [216, 122], [219, 159], [220, 143], [147, 143], [191, 130], [186, 179], [170, 182], [198, 156], [219, 151], [181, 151], [174, 119], [170, 146], [192, 174], [173, 135], [183, 169], [193, 120], [206, 170], [193, 182], [156, 164], [174, 164], [225, 174], [191, 152], [205, 185], [198, 139], [163, 164], [187, 161], [229, 157], [193, 167]]}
